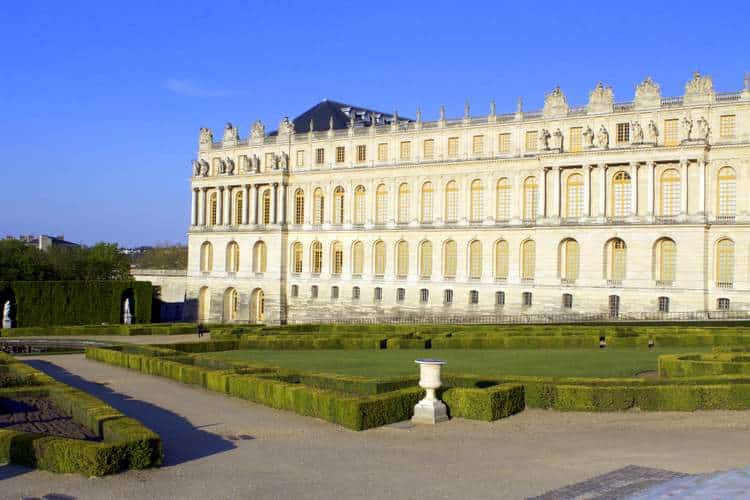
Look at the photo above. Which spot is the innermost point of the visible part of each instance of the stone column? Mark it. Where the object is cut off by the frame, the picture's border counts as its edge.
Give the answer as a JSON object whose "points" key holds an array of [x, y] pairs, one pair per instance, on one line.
{"points": [[683, 187], [586, 170], [202, 206], [702, 167], [555, 212], [650, 166], [228, 207], [193, 210], [284, 204], [256, 217], [274, 192], [516, 196], [634, 188], [603, 190], [220, 206], [542, 194], [246, 204]]}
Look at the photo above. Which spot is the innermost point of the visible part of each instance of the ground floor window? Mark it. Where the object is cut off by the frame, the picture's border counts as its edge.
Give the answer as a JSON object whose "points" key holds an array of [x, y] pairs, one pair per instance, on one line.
{"points": [[499, 298], [722, 304], [664, 304], [567, 301], [400, 294], [334, 292], [448, 297], [473, 297], [614, 306], [378, 294], [314, 291], [295, 291], [355, 293], [424, 295], [526, 299]]}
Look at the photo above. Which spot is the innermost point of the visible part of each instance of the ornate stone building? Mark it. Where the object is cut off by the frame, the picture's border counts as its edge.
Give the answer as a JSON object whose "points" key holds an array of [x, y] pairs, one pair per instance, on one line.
{"points": [[612, 208]]}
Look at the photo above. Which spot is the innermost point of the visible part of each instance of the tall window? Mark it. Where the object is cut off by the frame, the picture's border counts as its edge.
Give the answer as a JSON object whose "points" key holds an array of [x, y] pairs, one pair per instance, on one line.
{"points": [[403, 203], [233, 257], [452, 147], [501, 260], [233, 296], [621, 189], [528, 259], [569, 258], [207, 257], [340, 154], [503, 200], [316, 253], [665, 260], [530, 194], [238, 208], [726, 126], [574, 196], [576, 139], [670, 133], [476, 210], [297, 257], [319, 206], [360, 201], [623, 133], [338, 205], [361, 153], [426, 215], [449, 259], [475, 259], [212, 210], [299, 206], [428, 148], [337, 258], [358, 258], [670, 192], [402, 259], [405, 150], [477, 144], [531, 140], [267, 206], [300, 158], [320, 156], [724, 263], [259, 257], [615, 253], [727, 192], [451, 202], [503, 143], [383, 151], [425, 259], [381, 204], [379, 258]]}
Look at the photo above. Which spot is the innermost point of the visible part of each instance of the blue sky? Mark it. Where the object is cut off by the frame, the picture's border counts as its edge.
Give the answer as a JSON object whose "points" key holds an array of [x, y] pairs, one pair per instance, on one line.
{"points": [[100, 104]]}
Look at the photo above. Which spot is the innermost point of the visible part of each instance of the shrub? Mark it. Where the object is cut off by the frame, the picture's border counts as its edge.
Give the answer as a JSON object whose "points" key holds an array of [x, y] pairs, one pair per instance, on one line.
{"points": [[492, 403]]}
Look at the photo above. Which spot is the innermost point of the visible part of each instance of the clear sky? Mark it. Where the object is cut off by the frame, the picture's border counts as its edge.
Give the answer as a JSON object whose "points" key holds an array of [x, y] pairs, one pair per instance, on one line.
{"points": [[101, 102]]}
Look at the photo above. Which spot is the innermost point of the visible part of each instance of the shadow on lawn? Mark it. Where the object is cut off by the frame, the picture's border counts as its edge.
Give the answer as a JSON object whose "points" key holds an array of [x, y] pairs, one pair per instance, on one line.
{"points": [[182, 441]]}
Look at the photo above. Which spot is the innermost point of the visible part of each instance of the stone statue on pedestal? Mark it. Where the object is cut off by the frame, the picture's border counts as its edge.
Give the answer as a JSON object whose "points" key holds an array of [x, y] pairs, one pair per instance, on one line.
{"points": [[127, 316], [703, 129], [602, 138], [687, 129], [653, 132], [557, 140], [544, 140], [7, 322], [588, 137], [636, 136]]}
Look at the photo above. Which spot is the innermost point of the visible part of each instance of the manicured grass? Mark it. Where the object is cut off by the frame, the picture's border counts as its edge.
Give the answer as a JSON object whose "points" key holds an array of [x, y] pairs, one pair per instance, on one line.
{"points": [[623, 362]]}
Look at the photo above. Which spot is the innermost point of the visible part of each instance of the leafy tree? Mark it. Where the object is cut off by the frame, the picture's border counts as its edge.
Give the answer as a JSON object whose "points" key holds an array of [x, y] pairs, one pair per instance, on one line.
{"points": [[163, 256], [22, 262]]}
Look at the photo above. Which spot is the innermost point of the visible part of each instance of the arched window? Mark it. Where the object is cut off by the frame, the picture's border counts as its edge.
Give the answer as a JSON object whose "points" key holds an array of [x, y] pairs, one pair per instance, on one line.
{"points": [[379, 258], [475, 259], [204, 304], [426, 215], [476, 208], [319, 206], [569, 260], [449, 259], [299, 206], [207, 257], [451, 202], [724, 263], [358, 258], [665, 260], [267, 206], [212, 209], [316, 253], [425, 259], [503, 200], [238, 208], [232, 304], [727, 192], [297, 257], [337, 257], [403, 203], [528, 259], [574, 196], [233, 257], [360, 202], [670, 193], [338, 205], [381, 204], [621, 197], [259, 257], [530, 195], [615, 259], [501, 260], [402, 259]]}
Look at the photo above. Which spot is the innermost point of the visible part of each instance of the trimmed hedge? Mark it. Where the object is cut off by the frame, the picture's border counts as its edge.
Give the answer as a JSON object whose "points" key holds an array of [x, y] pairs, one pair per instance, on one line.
{"points": [[127, 330], [126, 443], [699, 365], [488, 404]]}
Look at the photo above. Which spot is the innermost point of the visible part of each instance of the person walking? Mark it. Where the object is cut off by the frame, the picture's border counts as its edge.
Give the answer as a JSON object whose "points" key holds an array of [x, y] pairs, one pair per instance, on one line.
{"points": [[200, 330]]}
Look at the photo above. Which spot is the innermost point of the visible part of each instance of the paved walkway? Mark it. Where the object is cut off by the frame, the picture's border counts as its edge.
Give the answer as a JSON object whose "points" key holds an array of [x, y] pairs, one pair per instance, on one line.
{"points": [[220, 447]]}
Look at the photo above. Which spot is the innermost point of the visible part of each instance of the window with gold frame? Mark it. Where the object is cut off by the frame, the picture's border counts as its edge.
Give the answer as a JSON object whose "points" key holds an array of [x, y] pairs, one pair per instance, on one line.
{"points": [[426, 215], [299, 206], [360, 201], [320, 156], [428, 148], [477, 144], [530, 198], [425, 259], [727, 191], [501, 259], [361, 153], [358, 258], [338, 205], [502, 212], [381, 204], [532, 140], [621, 194], [300, 158], [452, 147], [666, 260], [337, 258], [379, 258], [503, 143], [475, 259], [451, 202], [238, 205], [623, 133], [569, 260], [727, 126], [670, 192], [297, 257], [383, 151], [403, 203], [724, 263], [340, 154], [449, 259], [574, 196], [575, 139], [402, 259], [671, 137], [476, 202], [316, 254], [528, 259], [405, 150]]}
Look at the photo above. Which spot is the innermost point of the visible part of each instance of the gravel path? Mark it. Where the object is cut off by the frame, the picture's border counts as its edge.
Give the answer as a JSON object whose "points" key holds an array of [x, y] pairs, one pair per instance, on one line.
{"points": [[220, 447]]}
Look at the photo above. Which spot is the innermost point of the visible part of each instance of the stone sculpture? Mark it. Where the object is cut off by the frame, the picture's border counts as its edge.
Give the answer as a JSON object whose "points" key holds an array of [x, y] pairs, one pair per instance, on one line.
{"points": [[557, 140], [686, 126], [196, 168], [653, 132], [555, 103], [258, 131], [204, 168], [255, 164], [286, 127], [588, 138], [703, 130], [601, 99], [7, 322], [230, 133], [648, 94], [636, 133], [284, 161], [127, 316], [602, 138], [230, 166], [544, 139], [206, 137]]}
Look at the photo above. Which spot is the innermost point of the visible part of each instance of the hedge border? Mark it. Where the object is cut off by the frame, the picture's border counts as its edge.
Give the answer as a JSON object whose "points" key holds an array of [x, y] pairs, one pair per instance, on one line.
{"points": [[699, 365], [115, 329]]}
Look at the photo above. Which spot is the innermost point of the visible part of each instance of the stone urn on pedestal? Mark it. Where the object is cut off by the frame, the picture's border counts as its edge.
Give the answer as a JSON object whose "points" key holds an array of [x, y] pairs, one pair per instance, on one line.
{"points": [[430, 410]]}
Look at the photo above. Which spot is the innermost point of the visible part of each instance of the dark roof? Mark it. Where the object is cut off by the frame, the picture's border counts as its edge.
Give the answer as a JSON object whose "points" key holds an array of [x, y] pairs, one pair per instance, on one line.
{"points": [[342, 113]]}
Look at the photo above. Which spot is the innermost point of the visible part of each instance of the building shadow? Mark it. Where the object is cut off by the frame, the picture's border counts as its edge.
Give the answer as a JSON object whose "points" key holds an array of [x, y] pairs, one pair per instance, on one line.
{"points": [[8, 471], [182, 440]]}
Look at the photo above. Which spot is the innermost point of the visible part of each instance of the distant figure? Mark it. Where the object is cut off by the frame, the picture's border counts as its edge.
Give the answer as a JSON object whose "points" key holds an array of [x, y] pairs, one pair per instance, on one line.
{"points": [[200, 330]]}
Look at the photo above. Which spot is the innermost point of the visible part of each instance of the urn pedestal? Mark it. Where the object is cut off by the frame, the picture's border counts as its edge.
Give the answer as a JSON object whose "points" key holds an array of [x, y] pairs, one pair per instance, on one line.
{"points": [[430, 410]]}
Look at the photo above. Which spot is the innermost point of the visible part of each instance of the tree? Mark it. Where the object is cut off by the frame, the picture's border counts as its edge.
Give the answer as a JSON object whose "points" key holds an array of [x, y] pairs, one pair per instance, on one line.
{"points": [[162, 257], [22, 262]]}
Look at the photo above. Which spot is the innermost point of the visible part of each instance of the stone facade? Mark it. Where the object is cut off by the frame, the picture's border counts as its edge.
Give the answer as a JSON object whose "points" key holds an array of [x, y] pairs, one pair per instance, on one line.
{"points": [[632, 207]]}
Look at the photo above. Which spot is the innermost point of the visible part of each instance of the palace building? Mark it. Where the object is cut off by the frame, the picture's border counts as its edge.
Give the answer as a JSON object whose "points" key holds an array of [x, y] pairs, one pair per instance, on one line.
{"points": [[616, 209]]}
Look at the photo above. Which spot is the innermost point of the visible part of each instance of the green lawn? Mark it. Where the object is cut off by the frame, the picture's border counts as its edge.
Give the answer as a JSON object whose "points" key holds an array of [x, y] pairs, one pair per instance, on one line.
{"points": [[623, 362]]}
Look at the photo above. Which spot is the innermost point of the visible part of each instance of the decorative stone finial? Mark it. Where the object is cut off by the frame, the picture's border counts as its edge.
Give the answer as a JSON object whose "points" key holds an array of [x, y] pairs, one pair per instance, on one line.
{"points": [[699, 90], [555, 104], [394, 121], [746, 87], [418, 123], [647, 94], [311, 127], [601, 99], [206, 138], [467, 111], [441, 117], [286, 127], [330, 123], [231, 134], [258, 131]]}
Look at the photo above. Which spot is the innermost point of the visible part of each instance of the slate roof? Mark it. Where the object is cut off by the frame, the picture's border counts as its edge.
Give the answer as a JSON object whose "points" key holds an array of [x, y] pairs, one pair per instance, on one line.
{"points": [[342, 114]]}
